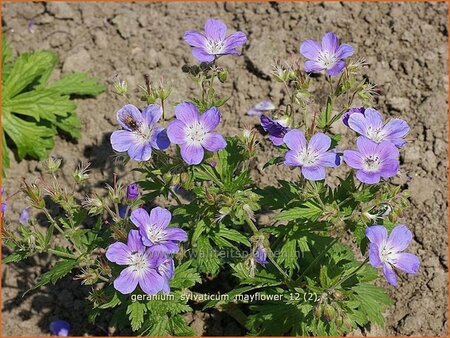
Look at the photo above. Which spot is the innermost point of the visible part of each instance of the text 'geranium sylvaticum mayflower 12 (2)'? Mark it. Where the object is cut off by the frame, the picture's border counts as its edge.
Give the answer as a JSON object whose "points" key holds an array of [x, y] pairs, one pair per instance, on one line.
{"points": [[281, 210]]}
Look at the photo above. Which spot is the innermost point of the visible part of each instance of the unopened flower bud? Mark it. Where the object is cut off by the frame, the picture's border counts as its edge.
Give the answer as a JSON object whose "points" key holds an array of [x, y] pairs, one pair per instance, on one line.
{"points": [[339, 321], [338, 295], [120, 86], [52, 165], [34, 194], [329, 312], [164, 93], [223, 75], [94, 205], [81, 174], [132, 191], [115, 194], [318, 310]]}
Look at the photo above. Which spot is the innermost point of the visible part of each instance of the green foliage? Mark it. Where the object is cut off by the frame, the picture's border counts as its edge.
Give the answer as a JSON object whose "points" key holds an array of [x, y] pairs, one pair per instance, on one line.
{"points": [[33, 110], [295, 273], [60, 270]]}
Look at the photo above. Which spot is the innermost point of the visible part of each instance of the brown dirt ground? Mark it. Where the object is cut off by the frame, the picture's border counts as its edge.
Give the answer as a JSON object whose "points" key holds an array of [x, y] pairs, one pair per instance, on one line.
{"points": [[405, 44]]}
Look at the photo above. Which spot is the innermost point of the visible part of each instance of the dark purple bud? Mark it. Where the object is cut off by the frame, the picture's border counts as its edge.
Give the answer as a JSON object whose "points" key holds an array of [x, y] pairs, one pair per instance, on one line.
{"points": [[122, 211], [60, 328], [213, 164], [346, 116], [272, 127], [261, 255], [132, 191]]}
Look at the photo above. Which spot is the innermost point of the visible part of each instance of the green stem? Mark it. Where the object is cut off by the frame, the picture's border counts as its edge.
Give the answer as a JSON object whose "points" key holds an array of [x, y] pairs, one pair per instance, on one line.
{"points": [[56, 225], [270, 254], [175, 196], [310, 266], [103, 278], [62, 254], [350, 275]]}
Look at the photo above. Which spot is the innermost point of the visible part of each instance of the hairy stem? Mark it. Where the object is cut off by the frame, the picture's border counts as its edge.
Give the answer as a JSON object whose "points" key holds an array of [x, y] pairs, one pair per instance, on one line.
{"points": [[62, 254], [270, 254], [56, 225]]}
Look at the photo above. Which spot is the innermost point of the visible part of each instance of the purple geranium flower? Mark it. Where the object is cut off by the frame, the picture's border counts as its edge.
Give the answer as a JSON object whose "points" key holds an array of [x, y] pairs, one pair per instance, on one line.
{"points": [[122, 211], [4, 205], [326, 56], [275, 128], [371, 125], [373, 161], [261, 108], [142, 267], [193, 132], [60, 328], [387, 252], [352, 111], [24, 216], [214, 42], [312, 157], [261, 254], [166, 268], [141, 132], [155, 232], [132, 191]]}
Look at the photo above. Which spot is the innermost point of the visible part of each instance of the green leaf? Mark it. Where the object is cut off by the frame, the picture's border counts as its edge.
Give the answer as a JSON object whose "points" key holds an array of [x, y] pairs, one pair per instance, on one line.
{"points": [[15, 257], [309, 210], [30, 138], [6, 58], [60, 270], [274, 319], [288, 254], [325, 115], [41, 104], [233, 235], [78, 84], [179, 327], [185, 276], [136, 312], [113, 302], [161, 327], [273, 161], [32, 110], [373, 301], [27, 69], [5, 155], [262, 277], [206, 257]]}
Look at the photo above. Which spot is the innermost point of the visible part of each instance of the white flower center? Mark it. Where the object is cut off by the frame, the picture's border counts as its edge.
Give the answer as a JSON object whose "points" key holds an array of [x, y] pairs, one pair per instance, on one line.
{"points": [[326, 59], [195, 133], [215, 47], [307, 157], [142, 130], [155, 234], [138, 262], [387, 254], [371, 163], [376, 134]]}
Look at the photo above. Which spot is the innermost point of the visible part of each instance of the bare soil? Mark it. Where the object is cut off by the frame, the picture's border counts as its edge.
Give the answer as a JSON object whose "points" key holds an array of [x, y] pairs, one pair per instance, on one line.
{"points": [[404, 43]]}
